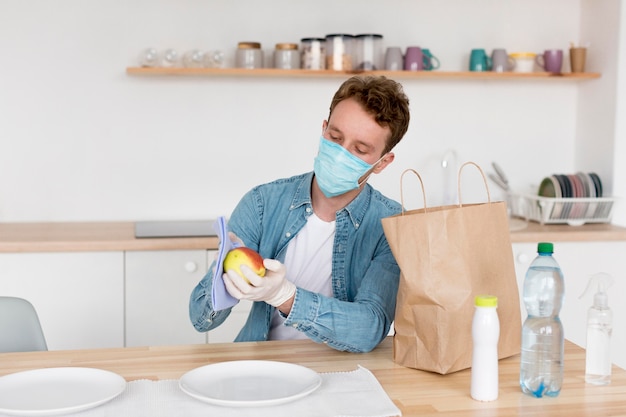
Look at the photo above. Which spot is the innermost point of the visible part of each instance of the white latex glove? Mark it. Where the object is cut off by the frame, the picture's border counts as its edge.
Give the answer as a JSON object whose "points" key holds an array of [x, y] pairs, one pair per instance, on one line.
{"points": [[273, 288]]}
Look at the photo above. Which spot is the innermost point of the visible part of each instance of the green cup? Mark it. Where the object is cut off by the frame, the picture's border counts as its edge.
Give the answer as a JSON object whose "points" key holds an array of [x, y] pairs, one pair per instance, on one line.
{"points": [[431, 62], [479, 60]]}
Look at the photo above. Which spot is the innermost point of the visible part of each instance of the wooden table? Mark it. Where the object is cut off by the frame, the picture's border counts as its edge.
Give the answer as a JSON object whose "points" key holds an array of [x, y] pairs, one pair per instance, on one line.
{"points": [[416, 393]]}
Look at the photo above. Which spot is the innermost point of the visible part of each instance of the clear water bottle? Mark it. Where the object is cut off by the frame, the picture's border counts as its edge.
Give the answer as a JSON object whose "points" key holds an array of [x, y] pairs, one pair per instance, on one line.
{"points": [[541, 370]]}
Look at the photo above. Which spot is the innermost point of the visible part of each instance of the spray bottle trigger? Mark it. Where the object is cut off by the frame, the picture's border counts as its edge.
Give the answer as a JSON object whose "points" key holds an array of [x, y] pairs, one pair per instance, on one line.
{"points": [[603, 282]]}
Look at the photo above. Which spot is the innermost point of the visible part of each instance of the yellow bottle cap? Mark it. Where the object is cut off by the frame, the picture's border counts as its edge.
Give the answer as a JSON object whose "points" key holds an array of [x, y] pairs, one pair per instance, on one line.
{"points": [[486, 301]]}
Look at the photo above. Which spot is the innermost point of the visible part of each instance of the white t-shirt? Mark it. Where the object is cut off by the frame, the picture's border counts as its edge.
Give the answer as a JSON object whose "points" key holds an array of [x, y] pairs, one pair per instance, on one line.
{"points": [[309, 265]]}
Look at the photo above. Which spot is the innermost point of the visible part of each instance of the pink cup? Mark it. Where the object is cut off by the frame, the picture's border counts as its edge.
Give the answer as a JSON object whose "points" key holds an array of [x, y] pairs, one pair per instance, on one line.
{"points": [[551, 60], [414, 59]]}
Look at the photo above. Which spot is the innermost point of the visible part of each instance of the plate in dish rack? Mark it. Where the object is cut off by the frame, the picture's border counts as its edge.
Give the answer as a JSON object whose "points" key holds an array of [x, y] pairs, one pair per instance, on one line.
{"points": [[249, 383], [54, 391]]}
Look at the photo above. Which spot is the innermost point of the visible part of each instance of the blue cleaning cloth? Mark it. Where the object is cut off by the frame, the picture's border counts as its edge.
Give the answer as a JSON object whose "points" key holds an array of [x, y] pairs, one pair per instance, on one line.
{"points": [[220, 298]]}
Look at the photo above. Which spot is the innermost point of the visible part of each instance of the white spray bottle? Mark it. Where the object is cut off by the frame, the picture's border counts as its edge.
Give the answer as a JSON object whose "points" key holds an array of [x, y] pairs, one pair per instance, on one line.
{"points": [[599, 329]]}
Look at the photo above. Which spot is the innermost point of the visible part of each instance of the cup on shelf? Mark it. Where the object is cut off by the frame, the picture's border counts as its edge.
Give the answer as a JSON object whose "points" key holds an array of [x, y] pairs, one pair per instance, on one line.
{"points": [[193, 59], [578, 56], [551, 60], [170, 58], [524, 61], [414, 59], [431, 62], [394, 60], [501, 61], [149, 57], [214, 59], [479, 60]]}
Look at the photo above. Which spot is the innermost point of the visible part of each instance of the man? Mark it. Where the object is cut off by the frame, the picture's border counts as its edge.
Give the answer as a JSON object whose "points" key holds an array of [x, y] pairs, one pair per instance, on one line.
{"points": [[330, 275]]}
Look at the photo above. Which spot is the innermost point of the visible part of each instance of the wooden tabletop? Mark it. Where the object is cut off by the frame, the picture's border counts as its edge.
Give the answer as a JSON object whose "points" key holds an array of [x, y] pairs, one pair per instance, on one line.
{"points": [[120, 236], [416, 393]]}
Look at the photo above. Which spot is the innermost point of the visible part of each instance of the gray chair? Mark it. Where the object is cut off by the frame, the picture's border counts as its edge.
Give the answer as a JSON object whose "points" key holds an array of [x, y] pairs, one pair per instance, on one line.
{"points": [[20, 330]]}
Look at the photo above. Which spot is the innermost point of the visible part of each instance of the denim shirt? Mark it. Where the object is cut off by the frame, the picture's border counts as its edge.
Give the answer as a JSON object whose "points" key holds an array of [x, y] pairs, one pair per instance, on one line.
{"points": [[365, 274]]}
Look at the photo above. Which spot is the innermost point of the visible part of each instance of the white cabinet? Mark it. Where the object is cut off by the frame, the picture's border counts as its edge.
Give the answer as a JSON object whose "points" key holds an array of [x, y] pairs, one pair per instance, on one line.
{"points": [[578, 261], [78, 295], [158, 286]]}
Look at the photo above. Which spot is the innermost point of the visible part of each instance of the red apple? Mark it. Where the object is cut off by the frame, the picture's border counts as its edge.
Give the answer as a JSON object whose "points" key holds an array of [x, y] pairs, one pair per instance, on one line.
{"points": [[244, 256]]}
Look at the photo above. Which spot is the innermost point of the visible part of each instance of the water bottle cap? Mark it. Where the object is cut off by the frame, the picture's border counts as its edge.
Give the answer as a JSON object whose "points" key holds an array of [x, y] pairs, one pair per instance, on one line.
{"points": [[545, 247], [486, 301]]}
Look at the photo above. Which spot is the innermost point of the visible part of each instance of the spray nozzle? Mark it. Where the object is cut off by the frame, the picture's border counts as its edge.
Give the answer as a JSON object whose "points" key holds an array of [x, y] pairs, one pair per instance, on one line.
{"points": [[602, 281]]}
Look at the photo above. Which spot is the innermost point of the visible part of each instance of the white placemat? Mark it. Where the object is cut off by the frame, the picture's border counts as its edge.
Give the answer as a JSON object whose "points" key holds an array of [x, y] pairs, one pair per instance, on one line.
{"points": [[342, 394]]}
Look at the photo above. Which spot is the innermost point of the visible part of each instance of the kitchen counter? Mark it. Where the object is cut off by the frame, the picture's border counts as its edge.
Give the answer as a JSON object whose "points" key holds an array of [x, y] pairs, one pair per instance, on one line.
{"points": [[120, 236], [95, 236], [416, 393]]}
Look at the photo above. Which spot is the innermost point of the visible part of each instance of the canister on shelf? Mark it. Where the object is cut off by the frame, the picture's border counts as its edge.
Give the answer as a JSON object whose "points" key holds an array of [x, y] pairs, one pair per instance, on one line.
{"points": [[249, 55], [339, 49], [313, 53], [368, 52], [286, 56]]}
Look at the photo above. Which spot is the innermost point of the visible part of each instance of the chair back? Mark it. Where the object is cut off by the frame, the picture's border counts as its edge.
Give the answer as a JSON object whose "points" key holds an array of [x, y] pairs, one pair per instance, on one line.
{"points": [[20, 330]]}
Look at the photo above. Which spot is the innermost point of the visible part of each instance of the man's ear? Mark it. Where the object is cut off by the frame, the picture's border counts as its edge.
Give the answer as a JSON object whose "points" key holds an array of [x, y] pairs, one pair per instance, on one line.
{"points": [[387, 159]]}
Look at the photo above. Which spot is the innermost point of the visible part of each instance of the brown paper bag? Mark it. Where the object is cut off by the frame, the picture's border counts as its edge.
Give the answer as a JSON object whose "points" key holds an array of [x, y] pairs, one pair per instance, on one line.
{"points": [[447, 256]]}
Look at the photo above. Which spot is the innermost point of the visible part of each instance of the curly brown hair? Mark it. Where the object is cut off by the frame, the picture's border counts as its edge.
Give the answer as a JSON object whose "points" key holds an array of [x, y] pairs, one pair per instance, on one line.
{"points": [[382, 98]]}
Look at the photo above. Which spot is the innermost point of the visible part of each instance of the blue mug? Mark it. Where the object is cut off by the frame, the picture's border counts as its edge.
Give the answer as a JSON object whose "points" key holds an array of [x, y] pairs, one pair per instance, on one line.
{"points": [[479, 60]]}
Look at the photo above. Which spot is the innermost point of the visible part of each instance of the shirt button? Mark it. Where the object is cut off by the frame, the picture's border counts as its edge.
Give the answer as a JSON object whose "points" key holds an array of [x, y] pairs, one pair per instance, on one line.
{"points": [[288, 234], [308, 209], [294, 325], [356, 225]]}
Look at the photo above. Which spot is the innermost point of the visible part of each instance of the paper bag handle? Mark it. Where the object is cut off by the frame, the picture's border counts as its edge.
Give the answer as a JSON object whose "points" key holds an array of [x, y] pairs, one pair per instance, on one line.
{"points": [[459, 182], [402, 188]]}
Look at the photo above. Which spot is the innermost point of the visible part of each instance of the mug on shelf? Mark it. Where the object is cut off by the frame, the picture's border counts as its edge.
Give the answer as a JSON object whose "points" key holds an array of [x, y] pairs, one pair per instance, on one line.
{"points": [[431, 62], [479, 60], [551, 60], [394, 60], [414, 59], [524, 61], [501, 61]]}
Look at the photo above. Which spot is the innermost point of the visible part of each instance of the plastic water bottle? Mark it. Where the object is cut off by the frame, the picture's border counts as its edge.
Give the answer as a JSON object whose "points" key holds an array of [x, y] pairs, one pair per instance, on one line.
{"points": [[541, 370], [485, 335]]}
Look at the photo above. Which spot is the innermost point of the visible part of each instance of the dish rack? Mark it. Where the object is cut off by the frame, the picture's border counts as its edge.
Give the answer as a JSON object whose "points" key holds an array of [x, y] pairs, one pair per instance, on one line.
{"points": [[572, 211]]}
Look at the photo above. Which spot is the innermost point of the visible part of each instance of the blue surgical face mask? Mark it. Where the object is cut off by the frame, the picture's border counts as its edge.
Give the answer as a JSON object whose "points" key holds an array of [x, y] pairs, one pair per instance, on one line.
{"points": [[337, 171]]}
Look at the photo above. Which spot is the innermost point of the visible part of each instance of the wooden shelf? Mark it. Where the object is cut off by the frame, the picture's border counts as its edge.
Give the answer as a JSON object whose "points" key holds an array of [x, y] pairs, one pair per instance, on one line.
{"points": [[430, 75]]}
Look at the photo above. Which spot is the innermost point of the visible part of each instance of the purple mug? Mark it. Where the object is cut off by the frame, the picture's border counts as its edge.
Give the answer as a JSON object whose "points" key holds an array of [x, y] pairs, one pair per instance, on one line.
{"points": [[551, 60], [414, 59]]}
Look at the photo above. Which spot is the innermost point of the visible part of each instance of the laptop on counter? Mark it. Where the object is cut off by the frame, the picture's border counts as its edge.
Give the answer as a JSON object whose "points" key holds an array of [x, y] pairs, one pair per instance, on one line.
{"points": [[175, 228]]}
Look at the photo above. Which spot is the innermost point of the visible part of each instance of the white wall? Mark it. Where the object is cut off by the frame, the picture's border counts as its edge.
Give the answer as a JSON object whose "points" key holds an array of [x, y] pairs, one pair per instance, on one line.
{"points": [[619, 155], [81, 140]]}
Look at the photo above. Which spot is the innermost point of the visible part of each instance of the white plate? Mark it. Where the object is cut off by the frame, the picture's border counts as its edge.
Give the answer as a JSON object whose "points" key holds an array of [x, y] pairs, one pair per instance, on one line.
{"points": [[250, 383], [52, 391]]}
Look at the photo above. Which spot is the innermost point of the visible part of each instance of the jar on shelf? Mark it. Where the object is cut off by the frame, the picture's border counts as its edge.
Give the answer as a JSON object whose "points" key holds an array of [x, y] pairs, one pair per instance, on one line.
{"points": [[287, 56], [313, 53], [368, 52], [339, 55], [249, 55]]}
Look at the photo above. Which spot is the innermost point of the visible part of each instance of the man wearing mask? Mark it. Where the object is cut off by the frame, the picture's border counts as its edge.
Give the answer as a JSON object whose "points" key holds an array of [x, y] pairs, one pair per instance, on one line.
{"points": [[330, 274]]}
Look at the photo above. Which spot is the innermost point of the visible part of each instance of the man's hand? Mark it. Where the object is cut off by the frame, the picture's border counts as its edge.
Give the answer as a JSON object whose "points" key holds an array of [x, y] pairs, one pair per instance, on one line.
{"points": [[273, 288]]}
